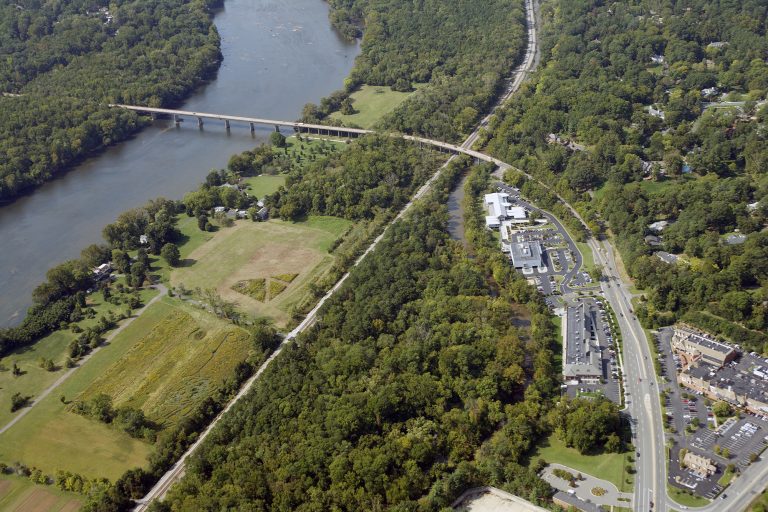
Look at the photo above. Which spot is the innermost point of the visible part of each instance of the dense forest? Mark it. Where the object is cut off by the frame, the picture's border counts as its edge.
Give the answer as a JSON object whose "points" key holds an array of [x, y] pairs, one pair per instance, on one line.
{"points": [[413, 386], [457, 48], [64, 61], [622, 119], [377, 173]]}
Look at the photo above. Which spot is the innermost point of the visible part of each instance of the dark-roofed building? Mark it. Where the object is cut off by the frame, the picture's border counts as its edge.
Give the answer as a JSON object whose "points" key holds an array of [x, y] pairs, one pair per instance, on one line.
{"points": [[583, 357], [700, 346], [653, 240], [743, 383], [526, 255]]}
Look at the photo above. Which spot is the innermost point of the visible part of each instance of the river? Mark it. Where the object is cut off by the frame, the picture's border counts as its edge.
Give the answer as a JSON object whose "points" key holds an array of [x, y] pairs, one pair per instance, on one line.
{"points": [[278, 56]]}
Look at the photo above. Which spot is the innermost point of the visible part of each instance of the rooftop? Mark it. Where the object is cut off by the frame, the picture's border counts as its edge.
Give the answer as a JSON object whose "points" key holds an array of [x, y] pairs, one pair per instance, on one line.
{"points": [[703, 340], [526, 254]]}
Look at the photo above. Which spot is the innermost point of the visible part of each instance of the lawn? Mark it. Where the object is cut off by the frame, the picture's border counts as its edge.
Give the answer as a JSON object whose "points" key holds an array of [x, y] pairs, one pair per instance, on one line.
{"points": [[192, 237], [179, 355], [725, 480], [684, 498], [372, 102], [54, 347], [50, 437], [260, 186], [252, 250], [588, 259], [21, 494], [609, 466]]}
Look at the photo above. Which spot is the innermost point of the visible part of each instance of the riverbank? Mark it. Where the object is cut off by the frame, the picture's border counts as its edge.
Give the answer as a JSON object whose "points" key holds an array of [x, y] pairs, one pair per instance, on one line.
{"points": [[259, 38]]}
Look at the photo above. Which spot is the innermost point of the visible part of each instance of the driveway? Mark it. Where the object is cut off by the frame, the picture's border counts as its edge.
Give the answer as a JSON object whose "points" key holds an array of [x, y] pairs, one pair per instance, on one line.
{"points": [[583, 488]]}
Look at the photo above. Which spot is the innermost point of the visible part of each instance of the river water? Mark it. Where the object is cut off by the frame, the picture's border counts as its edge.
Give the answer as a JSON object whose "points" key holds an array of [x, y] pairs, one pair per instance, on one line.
{"points": [[278, 55]]}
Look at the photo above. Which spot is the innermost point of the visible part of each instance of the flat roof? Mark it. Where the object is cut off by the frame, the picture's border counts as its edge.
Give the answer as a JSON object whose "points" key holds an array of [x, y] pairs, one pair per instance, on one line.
{"points": [[496, 203], [582, 358], [517, 212], [526, 254], [704, 341]]}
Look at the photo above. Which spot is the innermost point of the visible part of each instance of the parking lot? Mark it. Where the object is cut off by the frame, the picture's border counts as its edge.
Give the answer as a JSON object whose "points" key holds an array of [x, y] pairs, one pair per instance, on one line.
{"points": [[693, 425], [597, 329]]}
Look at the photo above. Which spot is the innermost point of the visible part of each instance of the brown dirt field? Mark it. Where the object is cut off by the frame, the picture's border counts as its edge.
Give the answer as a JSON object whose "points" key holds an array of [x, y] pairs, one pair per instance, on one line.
{"points": [[72, 506], [265, 262], [39, 500], [5, 487]]}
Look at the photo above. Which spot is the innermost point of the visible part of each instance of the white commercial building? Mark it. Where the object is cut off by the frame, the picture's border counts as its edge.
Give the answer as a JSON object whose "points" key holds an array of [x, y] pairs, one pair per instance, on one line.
{"points": [[500, 209]]}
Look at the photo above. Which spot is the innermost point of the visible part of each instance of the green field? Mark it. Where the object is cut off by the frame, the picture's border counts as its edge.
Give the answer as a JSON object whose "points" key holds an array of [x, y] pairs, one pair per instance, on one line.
{"points": [[253, 250], [20, 494], [683, 498], [192, 237], [609, 466], [263, 185], [54, 347], [372, 102], [178, 356], [51, 438], [588, 262]]}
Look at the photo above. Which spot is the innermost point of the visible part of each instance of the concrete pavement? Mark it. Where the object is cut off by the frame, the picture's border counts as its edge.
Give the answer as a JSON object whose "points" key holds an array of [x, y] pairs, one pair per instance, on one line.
{"points": [[583, 488]]}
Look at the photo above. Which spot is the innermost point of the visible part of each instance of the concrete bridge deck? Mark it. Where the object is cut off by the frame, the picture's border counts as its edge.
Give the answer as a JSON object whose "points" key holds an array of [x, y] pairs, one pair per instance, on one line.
{"points": [[320, 129]]}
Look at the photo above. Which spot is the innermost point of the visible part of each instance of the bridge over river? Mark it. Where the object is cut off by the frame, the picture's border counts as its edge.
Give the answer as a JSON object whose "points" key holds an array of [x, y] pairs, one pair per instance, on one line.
{"points": [[318, 129]]}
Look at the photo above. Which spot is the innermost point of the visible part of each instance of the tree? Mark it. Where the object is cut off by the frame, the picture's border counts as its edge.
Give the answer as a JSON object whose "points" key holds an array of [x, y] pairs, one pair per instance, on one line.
{"points": [[121, 261], [346, 107], [277, 139], [202, 222], [722, 409], [142, 257], [18, 401], [612, 443], [138, 274], [170, 253]]}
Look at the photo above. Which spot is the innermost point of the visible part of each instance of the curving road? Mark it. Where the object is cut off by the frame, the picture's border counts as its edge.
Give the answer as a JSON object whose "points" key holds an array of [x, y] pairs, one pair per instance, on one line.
{"points": [[518, 76]]}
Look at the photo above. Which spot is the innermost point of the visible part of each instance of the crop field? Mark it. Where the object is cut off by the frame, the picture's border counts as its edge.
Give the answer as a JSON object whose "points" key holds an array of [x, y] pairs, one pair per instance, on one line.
{"points": [[177, 360], [254, 288], [35, 379], [261, 250], [372, 102], [20, 494]]}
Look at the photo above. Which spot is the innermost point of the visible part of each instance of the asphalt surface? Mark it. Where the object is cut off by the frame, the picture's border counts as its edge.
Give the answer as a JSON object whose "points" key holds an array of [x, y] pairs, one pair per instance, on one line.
{"points": [[518, 76]]}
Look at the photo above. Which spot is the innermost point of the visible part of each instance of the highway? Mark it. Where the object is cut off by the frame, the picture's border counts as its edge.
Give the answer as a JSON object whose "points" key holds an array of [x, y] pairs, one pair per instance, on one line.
{"points": [[641, 386], [518, 76]]}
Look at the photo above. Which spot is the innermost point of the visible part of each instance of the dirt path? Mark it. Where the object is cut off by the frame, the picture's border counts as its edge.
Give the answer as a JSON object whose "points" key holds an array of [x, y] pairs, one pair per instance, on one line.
{"points": [[50, 389]]}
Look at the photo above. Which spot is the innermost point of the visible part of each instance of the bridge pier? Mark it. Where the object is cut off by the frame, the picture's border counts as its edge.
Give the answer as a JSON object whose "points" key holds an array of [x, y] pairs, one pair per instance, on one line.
{"points": [[277, 129], [200, 122], [176, 119], [253, 127], [226, 124]]}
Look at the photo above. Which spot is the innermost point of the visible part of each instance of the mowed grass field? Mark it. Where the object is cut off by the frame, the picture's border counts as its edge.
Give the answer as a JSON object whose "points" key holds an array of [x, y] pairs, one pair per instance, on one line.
{"points": [[263, 185], [54, 347], [179, 355], [20, 494], [372, 102], [252, 250], [609, 466]]}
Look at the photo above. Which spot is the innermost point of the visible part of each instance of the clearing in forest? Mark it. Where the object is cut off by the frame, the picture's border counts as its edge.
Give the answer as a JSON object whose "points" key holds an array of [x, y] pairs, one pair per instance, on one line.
{"points": [[238, 256], [371, 103]]}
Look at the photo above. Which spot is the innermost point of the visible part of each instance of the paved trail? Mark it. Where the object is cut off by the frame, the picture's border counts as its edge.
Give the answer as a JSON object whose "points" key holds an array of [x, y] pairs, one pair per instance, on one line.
{"points": [[50, 389]]}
